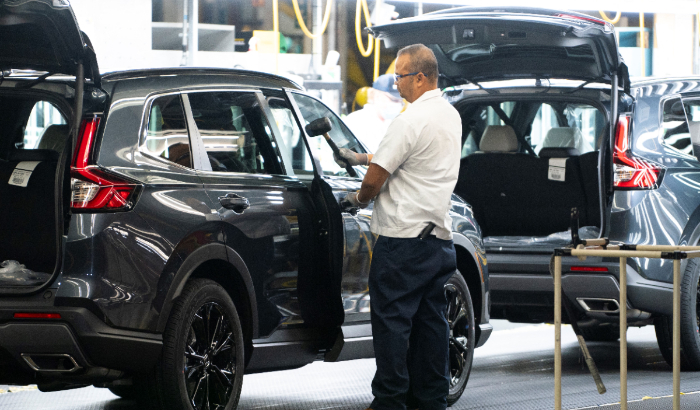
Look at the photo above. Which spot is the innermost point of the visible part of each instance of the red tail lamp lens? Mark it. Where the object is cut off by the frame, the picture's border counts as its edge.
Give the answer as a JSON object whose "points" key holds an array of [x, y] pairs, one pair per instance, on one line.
{"points": [[589, 269], [93, 189], [30, 315], [631, 172]]}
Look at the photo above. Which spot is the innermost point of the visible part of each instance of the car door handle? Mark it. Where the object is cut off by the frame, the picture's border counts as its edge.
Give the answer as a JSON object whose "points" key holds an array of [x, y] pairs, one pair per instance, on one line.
{"points": [[234, 202]]}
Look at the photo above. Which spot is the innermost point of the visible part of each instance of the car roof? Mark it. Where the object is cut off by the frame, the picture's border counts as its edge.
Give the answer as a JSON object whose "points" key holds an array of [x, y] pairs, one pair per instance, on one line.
{"points": [[657, 87], [202, 74], [642, 81]]}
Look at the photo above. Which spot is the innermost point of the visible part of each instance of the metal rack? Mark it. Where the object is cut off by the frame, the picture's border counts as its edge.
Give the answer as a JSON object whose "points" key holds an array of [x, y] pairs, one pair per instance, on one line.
{"points": [[602, 248]]}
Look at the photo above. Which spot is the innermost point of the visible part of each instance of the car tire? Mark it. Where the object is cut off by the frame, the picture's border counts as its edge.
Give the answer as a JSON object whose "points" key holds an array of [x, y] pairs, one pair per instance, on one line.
{"points": [[460, 317], [690, 322], [600, 333], [202, 363]]}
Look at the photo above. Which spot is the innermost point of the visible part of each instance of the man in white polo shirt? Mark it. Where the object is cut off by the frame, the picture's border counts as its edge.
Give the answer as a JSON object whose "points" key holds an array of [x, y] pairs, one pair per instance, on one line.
{"points": [[412, 175]]}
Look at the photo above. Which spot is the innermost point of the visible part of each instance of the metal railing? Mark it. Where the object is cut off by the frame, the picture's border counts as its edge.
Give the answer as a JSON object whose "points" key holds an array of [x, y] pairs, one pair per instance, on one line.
{"points": [[602, 248]]}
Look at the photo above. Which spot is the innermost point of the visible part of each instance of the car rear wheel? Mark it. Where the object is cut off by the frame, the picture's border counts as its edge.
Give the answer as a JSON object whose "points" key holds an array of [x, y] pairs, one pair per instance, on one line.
{"points": [[202, 363], [690, 322], [460, 317]]}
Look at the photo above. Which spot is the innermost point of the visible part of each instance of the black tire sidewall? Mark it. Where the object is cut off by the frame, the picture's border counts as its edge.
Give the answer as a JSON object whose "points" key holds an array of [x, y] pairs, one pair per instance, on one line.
{"points": [[458, 281], [690, 339], [197, 293]]}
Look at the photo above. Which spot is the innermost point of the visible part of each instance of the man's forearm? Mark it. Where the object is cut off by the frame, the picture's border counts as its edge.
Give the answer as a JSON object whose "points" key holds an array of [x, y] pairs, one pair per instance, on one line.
{"points": [[372, 183]]}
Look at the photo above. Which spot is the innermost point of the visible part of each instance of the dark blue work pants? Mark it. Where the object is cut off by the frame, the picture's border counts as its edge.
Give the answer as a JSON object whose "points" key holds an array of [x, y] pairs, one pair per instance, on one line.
{"points": [[407, 298]]}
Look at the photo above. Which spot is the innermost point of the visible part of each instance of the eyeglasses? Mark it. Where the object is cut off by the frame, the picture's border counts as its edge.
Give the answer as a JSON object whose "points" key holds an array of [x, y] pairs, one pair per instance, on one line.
{"points": [[397, 77]]}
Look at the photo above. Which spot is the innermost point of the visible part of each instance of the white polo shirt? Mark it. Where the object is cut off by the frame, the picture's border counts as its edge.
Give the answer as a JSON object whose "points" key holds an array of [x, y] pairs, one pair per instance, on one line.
{"points": [[421, 151]]}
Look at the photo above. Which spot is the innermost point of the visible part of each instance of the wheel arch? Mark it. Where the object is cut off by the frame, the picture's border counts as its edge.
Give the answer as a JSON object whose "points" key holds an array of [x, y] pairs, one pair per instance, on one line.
{"points": [[473, 274], [225, 266]]}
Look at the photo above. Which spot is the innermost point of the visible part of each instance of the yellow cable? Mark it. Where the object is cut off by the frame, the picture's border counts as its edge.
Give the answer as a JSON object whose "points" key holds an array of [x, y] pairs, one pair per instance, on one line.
{"points": [[326, 18], [362, 6], [608, 19]]}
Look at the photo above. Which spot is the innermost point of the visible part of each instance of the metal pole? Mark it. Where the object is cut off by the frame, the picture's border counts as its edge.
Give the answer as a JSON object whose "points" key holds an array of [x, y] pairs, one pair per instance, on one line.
{"points": [[676, 334], [557, 333], [317, 43], [623, 333], [192, 31], [418, 9]]}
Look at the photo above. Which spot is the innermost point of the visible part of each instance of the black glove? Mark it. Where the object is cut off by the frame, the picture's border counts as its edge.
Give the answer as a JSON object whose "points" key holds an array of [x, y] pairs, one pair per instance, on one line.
{"points": [[346, 157]]}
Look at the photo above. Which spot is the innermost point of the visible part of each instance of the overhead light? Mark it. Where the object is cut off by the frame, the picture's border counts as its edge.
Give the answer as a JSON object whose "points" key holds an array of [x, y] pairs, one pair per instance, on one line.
{"points": [[638, 6]]}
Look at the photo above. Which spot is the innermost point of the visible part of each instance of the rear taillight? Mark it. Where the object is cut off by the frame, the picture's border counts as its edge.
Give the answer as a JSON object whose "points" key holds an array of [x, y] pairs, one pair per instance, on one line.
{"points": [[631, 172], [588, 269], [93, 189]]}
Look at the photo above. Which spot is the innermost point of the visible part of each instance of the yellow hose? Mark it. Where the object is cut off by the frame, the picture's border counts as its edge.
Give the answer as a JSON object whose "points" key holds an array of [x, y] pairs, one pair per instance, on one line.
{"points": [[326, 18], [608, 19], [362, 6]]}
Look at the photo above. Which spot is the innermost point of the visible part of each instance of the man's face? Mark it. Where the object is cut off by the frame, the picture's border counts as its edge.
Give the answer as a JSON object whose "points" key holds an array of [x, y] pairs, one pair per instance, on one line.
{"points": [[404, 85]]}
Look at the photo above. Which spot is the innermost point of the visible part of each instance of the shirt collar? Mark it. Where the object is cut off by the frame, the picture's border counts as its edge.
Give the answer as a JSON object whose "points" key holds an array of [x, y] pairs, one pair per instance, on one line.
{"points": [[429, 94]]}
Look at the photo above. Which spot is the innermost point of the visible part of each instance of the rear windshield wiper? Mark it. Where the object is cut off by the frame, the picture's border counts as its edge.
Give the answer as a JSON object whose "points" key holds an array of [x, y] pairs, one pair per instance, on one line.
{"points": [[30, 84]]}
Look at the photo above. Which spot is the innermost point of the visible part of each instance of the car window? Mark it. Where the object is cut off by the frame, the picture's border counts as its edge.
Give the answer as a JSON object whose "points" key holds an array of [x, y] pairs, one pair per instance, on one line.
{"points": [[166, 134], [478, 119], [292, 140], [312, 109], [692, 116], [547, 124], [235, 132], [674, 127], [46, 128], [545, 120]]}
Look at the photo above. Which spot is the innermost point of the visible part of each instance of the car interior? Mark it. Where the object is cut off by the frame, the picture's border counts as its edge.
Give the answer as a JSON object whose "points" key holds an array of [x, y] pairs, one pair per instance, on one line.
{"points": [[526, 164], [27, 213]]}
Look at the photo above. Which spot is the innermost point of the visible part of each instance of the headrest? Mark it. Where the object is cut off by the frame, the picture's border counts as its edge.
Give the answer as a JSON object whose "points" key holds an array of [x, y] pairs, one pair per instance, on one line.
{"points": [[54, 137], [567, 137], [498, 138], [559, 152]]}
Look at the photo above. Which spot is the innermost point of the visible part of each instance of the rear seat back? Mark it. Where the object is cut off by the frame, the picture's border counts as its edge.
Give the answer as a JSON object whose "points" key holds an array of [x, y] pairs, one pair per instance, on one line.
{"points": [[512, 194], [27, 214]]}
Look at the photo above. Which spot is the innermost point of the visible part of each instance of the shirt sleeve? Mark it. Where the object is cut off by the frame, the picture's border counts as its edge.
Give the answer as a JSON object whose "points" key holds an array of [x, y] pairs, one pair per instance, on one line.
{"points": [[395, 147]]}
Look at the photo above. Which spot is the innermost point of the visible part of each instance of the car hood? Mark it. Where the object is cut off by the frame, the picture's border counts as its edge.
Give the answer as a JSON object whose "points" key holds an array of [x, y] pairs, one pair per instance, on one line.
{"points": [[483, 44], [43, 35]]}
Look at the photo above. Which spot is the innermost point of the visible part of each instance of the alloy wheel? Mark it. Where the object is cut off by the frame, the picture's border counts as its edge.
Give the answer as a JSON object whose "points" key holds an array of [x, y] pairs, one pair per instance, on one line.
{"points": [[210, 358]]}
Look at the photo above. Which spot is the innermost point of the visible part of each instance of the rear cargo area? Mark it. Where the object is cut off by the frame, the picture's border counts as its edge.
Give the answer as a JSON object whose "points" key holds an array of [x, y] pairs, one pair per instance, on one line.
{"points": [[33, 132], [525, 165]]}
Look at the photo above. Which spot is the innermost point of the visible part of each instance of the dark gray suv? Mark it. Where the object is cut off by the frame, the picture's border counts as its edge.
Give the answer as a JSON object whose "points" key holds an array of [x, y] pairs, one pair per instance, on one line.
{"points": [[551, 123], [163, 232]]}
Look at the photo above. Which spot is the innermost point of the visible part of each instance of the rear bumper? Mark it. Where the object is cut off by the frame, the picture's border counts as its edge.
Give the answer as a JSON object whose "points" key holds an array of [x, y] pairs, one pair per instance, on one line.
{"points": [[92, 350], [535, 290]]}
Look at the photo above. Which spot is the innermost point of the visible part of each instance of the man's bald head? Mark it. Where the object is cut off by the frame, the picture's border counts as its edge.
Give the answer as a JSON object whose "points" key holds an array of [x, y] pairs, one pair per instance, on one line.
{"points": [[421, 59]]}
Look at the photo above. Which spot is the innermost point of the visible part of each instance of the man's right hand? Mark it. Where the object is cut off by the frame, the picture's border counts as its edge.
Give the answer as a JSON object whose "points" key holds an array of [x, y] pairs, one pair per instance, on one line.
{"points": [[346, 157]]}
